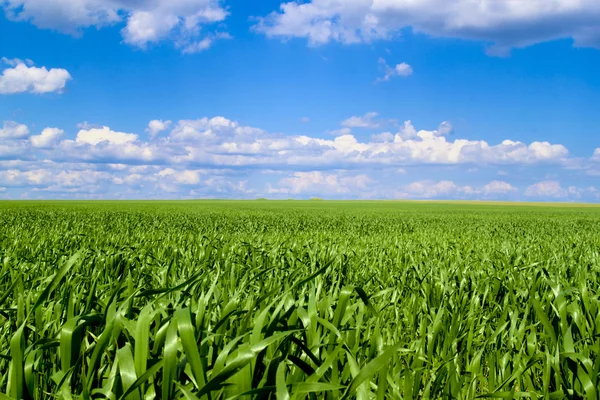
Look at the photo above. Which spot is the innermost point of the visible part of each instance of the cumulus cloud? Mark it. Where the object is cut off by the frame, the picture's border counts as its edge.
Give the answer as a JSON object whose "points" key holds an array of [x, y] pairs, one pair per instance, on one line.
{"points": [[408, 131], [504, 24], [105, 146], [95, 136], [49, 138], [23, 77], [596, 156], [157, 126], [498, 187], [214, 130], [402, 70], [184, 22], [12, 130]]}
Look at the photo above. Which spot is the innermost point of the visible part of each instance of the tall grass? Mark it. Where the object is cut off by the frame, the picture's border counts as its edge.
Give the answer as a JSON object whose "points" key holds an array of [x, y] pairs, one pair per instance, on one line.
{"points": [[211, 302]]}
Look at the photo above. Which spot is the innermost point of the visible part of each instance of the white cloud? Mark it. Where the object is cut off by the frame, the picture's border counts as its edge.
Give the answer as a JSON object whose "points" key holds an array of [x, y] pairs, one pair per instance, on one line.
{"points": [[430, 189], [498, 187], [186, 158], [408, 131], [546, 189], [445, 128], [222, 186], [13, 130], [305, 120], [105, 152], [214, 130], [105, 146], [340, 132], [553, 189], [131, 180], [80, 178], [59, 181], [86, 125], [23, 78], [204, 44], [220, 142], [596, 156], [402, 70], [95, 136], [47, 177], [157, 126], [185, 177], [13, 150], [184, 22], [71, 180], [506, 24], [15, 177], [49, 138], [199, 46], [144, 27], [321, 183], [447, 189], [16, 61], [383, 137], [366, 121]]}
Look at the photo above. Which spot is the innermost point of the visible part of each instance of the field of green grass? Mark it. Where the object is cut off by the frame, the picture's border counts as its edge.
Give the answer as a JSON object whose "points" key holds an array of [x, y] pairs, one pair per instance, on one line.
{"points": [[299, 300]]}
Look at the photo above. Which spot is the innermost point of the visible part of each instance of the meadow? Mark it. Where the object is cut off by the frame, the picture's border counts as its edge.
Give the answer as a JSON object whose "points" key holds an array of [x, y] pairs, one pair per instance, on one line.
{"points": [[299, 300]]}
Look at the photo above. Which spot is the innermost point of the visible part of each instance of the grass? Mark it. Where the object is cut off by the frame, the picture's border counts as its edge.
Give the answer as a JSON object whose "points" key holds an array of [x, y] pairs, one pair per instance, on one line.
{"points": [[280, 299]]}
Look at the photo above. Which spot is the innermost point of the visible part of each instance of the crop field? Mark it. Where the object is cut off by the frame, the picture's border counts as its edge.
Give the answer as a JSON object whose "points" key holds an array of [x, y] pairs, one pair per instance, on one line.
{"points": [[298, 300]]}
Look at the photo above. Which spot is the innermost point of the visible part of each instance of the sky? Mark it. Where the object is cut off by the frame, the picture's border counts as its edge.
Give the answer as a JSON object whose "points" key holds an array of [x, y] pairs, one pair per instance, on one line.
{"points": [[338, 99]]}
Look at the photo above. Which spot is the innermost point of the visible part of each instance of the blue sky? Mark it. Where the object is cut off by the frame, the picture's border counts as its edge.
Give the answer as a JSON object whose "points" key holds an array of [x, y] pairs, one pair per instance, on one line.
{"points": [[337, 99]]}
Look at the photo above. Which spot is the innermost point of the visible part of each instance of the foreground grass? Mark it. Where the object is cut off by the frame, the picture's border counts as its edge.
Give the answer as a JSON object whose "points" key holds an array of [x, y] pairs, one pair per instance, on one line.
{"points": [[224, 300]]}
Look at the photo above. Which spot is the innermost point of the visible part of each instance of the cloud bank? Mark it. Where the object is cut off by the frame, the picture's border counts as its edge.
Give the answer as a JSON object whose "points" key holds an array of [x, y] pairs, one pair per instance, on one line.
{"points": [[210, 157], [502, 24]]}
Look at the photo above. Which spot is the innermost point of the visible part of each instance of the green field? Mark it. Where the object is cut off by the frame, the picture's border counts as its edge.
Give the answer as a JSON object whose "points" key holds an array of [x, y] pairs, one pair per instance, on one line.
{"points": [[290, 299]]}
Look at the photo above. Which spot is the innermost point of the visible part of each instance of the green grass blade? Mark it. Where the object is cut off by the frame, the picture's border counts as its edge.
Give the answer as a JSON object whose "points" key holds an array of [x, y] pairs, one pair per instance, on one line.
{"points": [[190, 347], [371, 368]]}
